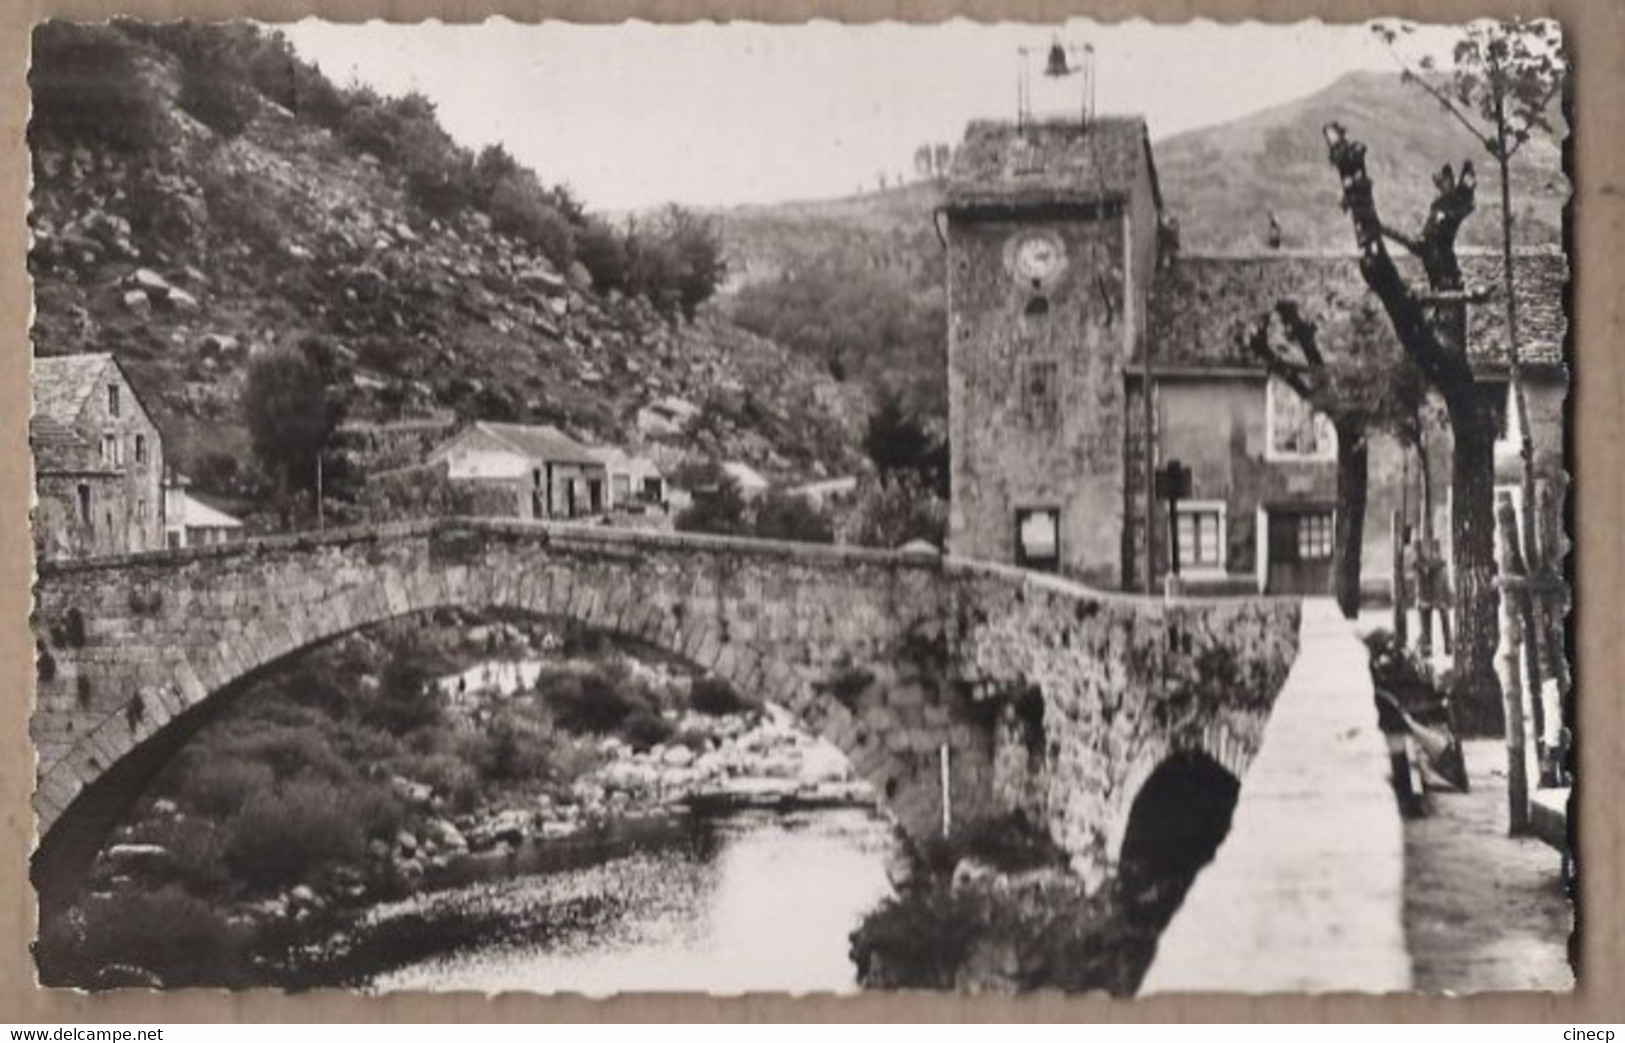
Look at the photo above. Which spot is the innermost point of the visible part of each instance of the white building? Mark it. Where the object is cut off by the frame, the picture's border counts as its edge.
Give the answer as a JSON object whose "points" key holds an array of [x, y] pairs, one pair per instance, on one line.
{"points": [[549, 474], [189, 522], [635, 482]]}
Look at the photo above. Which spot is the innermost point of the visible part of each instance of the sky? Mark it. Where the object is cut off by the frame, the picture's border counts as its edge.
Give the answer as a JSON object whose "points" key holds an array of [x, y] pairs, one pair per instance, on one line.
{"points": [[635, 115]]}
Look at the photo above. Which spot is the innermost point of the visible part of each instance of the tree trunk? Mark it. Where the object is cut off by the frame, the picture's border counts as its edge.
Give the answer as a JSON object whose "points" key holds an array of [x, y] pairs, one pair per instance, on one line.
{"points": [[1472, 525], [1350, 531], [1425, 587]]}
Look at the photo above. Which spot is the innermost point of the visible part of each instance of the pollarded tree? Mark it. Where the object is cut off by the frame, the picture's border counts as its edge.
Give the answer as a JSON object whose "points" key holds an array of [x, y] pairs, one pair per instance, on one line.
{"points": [[1431, 327], [1503, 80], [1339, 360]]}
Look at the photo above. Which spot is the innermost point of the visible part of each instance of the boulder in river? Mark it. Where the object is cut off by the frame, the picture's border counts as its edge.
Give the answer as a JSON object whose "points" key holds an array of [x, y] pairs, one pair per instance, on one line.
{"points": [[139, 858]]}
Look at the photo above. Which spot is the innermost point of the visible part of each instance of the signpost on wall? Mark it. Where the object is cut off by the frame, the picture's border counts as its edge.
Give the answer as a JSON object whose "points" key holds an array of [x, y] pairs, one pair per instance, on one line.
{"points": [[1173, 484]]}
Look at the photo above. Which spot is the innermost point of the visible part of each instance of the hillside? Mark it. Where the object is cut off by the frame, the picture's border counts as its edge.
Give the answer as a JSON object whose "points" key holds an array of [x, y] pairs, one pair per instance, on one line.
{"points": [[189, 249], [1221, 182]]}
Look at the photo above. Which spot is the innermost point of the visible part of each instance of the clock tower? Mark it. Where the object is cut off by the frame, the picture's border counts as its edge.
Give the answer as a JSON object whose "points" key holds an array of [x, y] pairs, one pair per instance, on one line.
{"points": [[1052, 238]]}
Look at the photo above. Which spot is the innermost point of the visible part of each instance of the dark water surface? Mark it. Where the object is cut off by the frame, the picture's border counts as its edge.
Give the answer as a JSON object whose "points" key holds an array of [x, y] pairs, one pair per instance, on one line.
{"points": [[749, 901]]}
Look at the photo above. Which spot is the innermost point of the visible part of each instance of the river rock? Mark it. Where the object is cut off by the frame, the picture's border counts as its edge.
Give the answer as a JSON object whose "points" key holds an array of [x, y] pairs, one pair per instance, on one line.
{"points": [[164, 807], [137, 301], [416, 793], [182, 301], [558, 830], [678, 757], [822, 763], [406, 842], [445, 835], [511, 826], [148, 280], [302, 896], [139, 858]]}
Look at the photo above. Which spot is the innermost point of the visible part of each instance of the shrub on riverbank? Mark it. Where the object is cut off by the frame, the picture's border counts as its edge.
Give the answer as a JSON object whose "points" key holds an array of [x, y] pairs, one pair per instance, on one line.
{"points": [[289, 834], [163, 938], [994, 908], [715, 697], [333, 781]]}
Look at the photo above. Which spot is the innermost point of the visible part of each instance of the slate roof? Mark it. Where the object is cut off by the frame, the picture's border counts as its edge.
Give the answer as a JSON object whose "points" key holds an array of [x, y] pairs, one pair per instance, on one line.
{"points": [[57, 447], [1048, 162], [1200, 304], [62, 383], [540, 442]]}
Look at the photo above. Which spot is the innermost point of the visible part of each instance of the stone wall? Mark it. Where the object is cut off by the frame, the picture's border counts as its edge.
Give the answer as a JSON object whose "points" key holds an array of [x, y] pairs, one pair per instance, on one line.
{"points": [[891, 656], [1124, 683]]}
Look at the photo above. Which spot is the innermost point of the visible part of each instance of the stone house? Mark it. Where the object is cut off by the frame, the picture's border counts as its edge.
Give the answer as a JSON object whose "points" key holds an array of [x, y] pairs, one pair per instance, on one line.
{"points": [[548, 474], [98, 460], [1085, 351], [1261, 516]]}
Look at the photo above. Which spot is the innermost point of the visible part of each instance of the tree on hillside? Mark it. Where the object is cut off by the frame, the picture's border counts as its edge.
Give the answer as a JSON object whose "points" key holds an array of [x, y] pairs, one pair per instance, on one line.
{"points": [[718, 507], [1431, 327], [1339, 362], [786, 516], [88, 89], [694, 248], [290, 417], [902, 448]]}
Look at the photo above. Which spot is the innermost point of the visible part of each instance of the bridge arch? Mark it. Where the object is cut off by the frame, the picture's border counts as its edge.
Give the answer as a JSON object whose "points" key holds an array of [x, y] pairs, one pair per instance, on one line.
{"points": [[826, 651], [1228, 744]]}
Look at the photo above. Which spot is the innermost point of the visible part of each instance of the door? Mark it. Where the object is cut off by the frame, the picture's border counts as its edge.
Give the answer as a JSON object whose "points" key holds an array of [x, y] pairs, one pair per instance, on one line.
{"points": [[1300, 550], [595, 496]]}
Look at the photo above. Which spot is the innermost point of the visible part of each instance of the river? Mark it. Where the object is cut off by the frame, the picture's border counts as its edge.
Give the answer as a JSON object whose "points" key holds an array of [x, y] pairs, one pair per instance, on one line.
{"points": [[743, 902]]}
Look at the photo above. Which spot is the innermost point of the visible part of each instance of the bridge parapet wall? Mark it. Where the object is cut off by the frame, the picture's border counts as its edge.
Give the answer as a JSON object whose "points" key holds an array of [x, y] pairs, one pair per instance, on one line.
{"points": [[1306, 893], [892, 656]]}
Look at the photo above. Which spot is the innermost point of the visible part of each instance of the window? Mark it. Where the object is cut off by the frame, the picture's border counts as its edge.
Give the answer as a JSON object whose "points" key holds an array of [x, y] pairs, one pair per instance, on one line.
{"points": [[1293, 429], [620, 487], [1039, 390], [1315, 536], [1200, 530], [84, 503], [112, 400], [1038, 538], [112, 451], [1036, 314], [140, 449]]}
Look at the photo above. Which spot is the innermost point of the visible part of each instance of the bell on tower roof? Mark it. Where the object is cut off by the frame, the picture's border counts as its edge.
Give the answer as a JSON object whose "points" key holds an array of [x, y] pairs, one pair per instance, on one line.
{"points": [[1061, 61]]}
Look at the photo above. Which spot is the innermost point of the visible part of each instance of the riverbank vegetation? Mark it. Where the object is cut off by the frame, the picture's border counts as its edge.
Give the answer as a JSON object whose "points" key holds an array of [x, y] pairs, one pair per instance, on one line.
{"points": [[996, 908], [364, 768]]}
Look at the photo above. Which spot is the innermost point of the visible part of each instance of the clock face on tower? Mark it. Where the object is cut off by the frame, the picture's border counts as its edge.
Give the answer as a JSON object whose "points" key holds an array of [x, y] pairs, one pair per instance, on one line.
{"points": [[1036, 256]]}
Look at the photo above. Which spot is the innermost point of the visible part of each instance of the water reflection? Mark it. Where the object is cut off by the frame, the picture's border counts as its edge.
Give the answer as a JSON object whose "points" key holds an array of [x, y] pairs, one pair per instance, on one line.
{"points": [[765, 902]]}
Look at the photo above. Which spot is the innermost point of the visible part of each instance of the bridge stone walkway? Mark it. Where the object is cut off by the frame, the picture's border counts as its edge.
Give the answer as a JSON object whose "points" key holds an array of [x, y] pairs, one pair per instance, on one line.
{"points": [[1307, 892]]}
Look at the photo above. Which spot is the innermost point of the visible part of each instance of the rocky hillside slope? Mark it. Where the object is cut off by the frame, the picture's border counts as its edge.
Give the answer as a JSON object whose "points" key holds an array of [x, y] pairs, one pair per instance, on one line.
{"points": [[186, 258]]}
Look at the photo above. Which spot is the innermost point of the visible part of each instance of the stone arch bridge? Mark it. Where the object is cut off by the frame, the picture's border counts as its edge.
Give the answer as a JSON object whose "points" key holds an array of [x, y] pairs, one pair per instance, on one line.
{"points": [[1048, 697]]}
